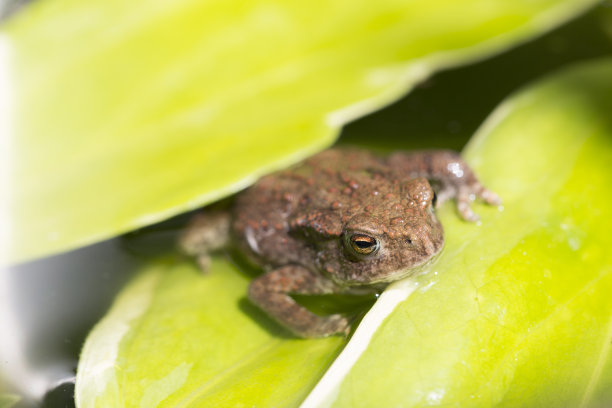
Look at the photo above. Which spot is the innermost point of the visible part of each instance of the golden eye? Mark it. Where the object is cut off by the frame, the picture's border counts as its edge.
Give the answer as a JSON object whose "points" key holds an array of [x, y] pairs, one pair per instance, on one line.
{"points": [[363, 244]]}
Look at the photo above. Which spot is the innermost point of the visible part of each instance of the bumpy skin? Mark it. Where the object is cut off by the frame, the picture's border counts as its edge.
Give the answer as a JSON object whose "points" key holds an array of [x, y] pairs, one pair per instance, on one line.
{"points": [[300, 225]]}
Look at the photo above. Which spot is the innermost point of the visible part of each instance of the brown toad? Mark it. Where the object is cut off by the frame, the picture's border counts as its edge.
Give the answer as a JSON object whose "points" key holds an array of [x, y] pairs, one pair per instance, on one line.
{"points": [[343, 221]]}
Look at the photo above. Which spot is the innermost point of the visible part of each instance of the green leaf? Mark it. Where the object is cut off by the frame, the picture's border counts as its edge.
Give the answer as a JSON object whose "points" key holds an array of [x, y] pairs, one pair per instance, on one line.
{"points": [[517, 311], [125, 113], [8, 400], [176, 338]]}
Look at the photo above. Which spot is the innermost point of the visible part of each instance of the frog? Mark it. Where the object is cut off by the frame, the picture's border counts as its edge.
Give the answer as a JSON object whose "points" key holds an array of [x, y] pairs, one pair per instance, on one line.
{"points": [[344, 221]]}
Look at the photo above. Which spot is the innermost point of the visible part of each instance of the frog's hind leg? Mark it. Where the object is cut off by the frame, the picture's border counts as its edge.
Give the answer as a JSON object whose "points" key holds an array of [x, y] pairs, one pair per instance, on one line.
{"points": [[206, 232]]}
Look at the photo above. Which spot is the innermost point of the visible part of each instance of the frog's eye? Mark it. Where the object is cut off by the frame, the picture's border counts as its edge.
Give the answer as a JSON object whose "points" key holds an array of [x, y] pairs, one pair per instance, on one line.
{"points": [[363, 244]]}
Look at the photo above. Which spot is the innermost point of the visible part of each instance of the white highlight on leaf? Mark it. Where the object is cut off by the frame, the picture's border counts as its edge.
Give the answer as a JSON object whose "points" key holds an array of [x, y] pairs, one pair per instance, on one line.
{"points": [[598, 369], [435, 397], [161, 389], [325, 392], [97, 369]]}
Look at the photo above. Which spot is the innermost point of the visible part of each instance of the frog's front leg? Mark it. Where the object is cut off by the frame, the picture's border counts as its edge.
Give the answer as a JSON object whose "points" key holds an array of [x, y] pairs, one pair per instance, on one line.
{"points": [[450, 176], [271, 293]]}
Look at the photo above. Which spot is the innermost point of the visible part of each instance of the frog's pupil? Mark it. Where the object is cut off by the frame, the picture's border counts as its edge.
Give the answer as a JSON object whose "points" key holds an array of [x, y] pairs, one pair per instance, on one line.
{"points": [[363, 243]]}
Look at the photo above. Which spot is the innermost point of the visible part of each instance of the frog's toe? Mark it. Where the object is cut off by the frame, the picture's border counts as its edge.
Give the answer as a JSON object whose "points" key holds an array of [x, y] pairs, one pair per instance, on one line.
{"points": [[489, 196], [322, 327], [443, 195], [468, 194], [464, 199], [203, 262], [467, 213], [336, 324]]}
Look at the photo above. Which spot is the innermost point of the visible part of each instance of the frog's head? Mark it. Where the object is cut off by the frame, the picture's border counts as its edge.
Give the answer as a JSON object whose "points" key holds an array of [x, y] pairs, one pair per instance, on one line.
{"points": [[387, 240]]}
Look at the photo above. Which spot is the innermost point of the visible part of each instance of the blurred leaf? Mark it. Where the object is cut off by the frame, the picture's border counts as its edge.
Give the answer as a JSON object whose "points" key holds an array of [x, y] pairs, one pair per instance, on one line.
{"points": [[517, 311], [8, 400], [176, 338], [129, 112]]}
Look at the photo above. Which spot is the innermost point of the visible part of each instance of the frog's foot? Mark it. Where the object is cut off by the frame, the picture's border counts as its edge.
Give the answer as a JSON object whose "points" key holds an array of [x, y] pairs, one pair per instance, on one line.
{"points": [[203, 261], [333, 324], [450, 176], [205, 233], [468, 193], [271, 293]]}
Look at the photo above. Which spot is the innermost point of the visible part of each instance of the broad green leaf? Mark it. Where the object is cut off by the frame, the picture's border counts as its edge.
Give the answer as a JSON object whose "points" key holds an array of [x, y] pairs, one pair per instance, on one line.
{"points": [[8, 400], [517, 311], [125, 113], [177, 338]]}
